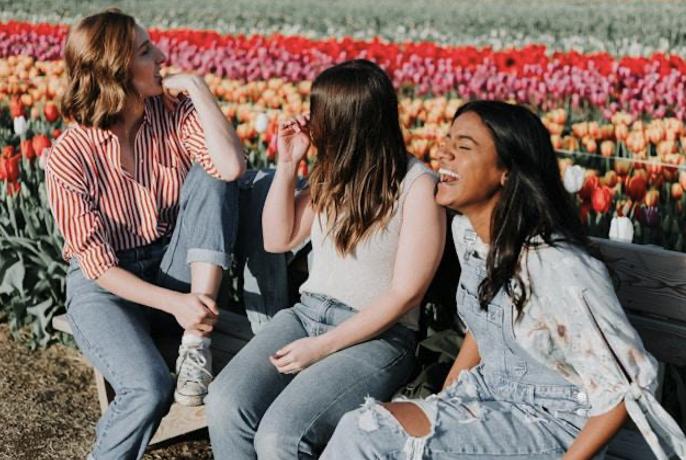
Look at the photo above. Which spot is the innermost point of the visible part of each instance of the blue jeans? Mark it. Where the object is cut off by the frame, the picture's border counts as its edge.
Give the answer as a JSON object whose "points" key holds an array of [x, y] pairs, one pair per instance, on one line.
{"points": [[268, 284], [253, 411], [116, 335]]}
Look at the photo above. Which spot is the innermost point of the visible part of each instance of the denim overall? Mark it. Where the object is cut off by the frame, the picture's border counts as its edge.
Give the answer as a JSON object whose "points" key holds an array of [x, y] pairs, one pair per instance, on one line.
{"points": [[509, 406]]}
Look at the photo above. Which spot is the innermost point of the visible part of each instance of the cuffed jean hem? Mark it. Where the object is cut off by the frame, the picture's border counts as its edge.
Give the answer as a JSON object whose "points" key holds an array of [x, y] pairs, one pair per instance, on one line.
{"points": [[221, 259]]}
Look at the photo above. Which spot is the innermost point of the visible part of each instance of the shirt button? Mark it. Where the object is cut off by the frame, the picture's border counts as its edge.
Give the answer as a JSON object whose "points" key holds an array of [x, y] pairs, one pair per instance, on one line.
{"points": [[581, 412]]}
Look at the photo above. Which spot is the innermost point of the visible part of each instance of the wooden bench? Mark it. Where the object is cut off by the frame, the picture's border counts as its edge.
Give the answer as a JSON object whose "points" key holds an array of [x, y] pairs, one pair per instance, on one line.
{"points": [[652, 291]]}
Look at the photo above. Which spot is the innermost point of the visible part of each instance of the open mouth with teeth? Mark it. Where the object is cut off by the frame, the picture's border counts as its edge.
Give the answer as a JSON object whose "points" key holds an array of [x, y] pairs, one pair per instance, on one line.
{"points": [[447, 176]]}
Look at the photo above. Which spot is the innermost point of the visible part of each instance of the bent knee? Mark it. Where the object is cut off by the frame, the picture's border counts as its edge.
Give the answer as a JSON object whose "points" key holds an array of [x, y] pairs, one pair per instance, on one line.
{"points": [[272, 437], [411, 417]]}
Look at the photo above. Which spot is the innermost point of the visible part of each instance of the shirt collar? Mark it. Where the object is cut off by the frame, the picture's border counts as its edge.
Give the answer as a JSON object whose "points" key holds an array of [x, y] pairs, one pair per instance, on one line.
{"points": [[102, 135]]}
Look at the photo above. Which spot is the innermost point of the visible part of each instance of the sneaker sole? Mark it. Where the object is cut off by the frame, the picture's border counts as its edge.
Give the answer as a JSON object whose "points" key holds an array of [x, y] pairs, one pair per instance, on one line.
{"points": [[189, 401]]}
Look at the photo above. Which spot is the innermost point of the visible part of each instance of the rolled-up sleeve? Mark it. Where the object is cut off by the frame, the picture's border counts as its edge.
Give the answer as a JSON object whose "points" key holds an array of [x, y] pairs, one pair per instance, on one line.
{"points": [[76, 215], [193, 136]]}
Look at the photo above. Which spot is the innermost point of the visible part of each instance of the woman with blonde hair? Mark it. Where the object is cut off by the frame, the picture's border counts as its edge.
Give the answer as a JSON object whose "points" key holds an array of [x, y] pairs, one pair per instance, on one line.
{"points": [[377, 238], [146, 232]]}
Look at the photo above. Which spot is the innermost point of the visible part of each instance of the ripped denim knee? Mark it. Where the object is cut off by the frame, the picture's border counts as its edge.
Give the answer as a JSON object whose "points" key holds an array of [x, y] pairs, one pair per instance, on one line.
{"points": [[374, 416]]}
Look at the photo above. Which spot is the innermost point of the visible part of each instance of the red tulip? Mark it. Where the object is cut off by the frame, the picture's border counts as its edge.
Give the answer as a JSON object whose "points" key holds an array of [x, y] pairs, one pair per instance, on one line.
{"points": [[636, 187], [590, 184], [40, 143], [601, 199], [56, 133], [9, 168], [51, 112], [27, 149], [16, 107], [677, 191]]}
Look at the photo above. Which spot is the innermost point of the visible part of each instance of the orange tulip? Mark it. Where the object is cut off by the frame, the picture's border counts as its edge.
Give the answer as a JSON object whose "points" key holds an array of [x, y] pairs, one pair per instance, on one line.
{"points": [[652, 198], [607, 148], [621, 132]]}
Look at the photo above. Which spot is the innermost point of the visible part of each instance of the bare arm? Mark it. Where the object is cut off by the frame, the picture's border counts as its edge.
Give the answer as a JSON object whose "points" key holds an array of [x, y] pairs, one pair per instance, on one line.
{"points": [[420, 248], [192, 311], [467, 358], [287, 220], [597, 432], [223, 145]]}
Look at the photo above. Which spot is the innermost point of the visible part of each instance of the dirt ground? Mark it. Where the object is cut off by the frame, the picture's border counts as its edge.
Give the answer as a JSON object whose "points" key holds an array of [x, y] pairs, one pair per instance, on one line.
{"points": [[49, 408]]}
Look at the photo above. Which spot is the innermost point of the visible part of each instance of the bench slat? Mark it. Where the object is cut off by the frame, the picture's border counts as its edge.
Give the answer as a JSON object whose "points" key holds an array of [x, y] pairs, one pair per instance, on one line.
{"points": [[663, 339], [653, 280], [180, 420]]}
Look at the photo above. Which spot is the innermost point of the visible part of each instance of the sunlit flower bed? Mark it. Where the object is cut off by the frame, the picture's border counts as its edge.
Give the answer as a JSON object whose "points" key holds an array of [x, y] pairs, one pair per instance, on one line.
{"points": [[594, 82], [618, 124]]}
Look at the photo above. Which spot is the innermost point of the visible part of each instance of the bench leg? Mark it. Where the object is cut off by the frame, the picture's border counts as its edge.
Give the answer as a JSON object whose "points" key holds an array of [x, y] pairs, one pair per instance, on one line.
{"points": [[105, 391]]}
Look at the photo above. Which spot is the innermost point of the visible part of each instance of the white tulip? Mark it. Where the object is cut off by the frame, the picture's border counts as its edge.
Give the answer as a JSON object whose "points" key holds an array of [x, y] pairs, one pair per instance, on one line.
{"points": [[261, 123], [20, 126], [621, 229], [573, 178]]}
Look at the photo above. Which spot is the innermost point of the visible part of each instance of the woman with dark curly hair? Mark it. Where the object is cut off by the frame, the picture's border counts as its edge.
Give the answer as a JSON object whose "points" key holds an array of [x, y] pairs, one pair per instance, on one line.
{"points": [[550, 365]]}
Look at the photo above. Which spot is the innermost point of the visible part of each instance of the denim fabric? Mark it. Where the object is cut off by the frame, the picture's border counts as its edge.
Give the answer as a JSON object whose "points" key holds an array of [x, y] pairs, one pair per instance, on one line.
{"points": [[115, 335], [510, 406], [267, 280], [253, 411]]}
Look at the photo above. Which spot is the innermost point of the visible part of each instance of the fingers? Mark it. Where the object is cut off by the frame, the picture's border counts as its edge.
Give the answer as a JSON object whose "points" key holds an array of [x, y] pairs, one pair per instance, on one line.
{"points": [[284, 364], [300, 123], [210, 303]]}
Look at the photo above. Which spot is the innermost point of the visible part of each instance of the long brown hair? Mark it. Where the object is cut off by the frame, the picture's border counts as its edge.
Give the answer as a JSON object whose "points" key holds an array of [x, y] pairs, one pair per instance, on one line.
{"points": [[361, 155], [98, 56]]}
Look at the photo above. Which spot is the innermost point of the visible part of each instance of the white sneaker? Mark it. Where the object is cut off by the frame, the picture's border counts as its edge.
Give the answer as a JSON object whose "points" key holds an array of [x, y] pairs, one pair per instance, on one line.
{"points": [[193, 374]]}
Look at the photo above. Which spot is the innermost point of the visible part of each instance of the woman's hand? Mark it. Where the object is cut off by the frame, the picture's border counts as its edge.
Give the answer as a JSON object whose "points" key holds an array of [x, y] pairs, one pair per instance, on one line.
{"points": [[299, 355], [174, 85], [293, 140], [195, 312]]}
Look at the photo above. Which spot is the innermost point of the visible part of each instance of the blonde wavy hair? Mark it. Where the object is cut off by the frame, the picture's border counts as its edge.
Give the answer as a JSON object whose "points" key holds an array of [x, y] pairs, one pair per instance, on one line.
{"points": [[361, 154], [98, 56]]}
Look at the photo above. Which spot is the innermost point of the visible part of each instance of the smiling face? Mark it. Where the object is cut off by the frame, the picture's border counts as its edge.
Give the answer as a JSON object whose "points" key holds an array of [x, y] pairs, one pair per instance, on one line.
{"points": [[145, 66], [470, 173]]}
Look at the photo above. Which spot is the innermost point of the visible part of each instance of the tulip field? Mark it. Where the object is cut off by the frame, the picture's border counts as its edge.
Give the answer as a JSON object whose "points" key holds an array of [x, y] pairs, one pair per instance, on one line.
{"points": [[614, 102]]}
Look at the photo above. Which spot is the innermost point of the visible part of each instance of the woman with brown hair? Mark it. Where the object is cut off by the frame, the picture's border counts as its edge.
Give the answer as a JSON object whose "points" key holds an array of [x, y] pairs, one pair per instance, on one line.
{"points": [[146, 233], [377, 238]]}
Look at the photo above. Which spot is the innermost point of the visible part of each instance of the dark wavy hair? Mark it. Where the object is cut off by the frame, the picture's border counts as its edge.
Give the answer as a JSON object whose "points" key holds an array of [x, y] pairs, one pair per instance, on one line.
{"points": [[361, 154], [534, 208]]}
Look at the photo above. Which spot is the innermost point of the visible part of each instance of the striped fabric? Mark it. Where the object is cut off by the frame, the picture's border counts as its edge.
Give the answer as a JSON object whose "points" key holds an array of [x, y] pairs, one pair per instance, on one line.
{"points": [[99, 207]]}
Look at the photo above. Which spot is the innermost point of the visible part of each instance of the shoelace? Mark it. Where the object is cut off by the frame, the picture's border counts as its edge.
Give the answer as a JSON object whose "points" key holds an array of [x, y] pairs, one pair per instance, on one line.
{"points": [[194, 361]]}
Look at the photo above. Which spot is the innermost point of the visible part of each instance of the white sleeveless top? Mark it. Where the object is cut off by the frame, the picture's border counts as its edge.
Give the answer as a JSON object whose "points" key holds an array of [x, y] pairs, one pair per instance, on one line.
{"points": [[358, 279]]}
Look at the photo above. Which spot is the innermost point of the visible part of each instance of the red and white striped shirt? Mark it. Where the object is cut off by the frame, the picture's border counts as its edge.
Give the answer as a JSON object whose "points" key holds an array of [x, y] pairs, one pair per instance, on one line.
{"points": [[99, 207]]}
